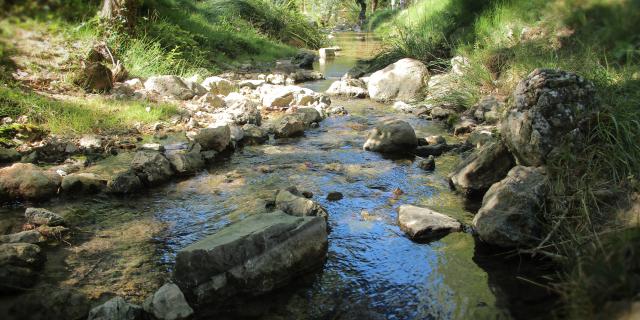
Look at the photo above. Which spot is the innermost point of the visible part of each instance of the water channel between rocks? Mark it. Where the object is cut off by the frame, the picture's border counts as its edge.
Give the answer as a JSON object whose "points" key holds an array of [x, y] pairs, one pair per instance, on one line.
{"points": [[126, 246]]}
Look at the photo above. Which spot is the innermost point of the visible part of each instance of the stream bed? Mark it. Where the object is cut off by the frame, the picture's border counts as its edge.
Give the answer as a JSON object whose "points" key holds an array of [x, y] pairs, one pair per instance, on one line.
{"points": [[126, 246]]}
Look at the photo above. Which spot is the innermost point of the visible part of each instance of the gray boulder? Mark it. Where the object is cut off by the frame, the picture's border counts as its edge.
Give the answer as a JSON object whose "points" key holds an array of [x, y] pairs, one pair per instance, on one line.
{"points": [[391, 136], [481, 169], [168, 303], [40, 216], [254, 134], [83, 183], [296, 205], [510, 212], [404, 80], [290, 126], [216, 139], [548, 105], [151, 167], [27, 181], [186, 162], [425, 224], [249, 258], [309, 115], [169, 86], [124, 182], [352, 88], [116, 309]]}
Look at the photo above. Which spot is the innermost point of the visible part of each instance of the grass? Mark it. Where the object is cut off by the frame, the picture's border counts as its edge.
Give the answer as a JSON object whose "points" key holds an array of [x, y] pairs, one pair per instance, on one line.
{"points": [[506, 40]]}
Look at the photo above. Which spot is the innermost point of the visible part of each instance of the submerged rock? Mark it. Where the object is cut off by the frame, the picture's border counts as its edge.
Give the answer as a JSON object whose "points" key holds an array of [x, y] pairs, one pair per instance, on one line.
{"points": [[509, 216], [480, 170], [83, 183], [18, 261], [249, 258], [27, 181], [116, 309], [404, 80], [40, 216], [548, 105], [299, 206], [428, 164], [424, 224], [391, 136], [168, 303]]}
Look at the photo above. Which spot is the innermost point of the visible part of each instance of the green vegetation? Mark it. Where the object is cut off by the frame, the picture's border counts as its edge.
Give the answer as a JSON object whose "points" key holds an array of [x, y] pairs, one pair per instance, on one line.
{"points": [[504, 41]]}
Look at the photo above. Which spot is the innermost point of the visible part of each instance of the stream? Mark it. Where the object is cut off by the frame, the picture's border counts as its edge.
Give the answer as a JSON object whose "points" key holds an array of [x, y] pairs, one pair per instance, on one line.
{"points": [[126, 246]]}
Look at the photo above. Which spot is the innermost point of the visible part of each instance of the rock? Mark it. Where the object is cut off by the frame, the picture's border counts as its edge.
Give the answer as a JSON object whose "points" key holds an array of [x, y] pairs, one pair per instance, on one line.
{"points": [[548, 105], [152, 147], [391, 136], [259, 254], [169, 86], [26, 181], [289, 126], [309, 115], [212, 100], [95, 77], [122, 90], [168, 303], [216, 139], [29, 236], [83, 183], [217, 85], [431, 140], [124, 182], [279, 97], [481, 137], [326, 53], [40, 216], [481, 169], [304, 75], [441, 113], [304, 60], [135, 84], [404, 80], [296, 205], [425, 224], [334, 196], [254, 134], [116, 309], [8, 155], [434, 150], [197, 89], [52, 303], [459, 65], [510, 212], [242, 110], [90, 141], [464, 126], [428, 164], [151, 167], [184, 162], [276, 79], [252, 84], [352, 88], [17, 264]]}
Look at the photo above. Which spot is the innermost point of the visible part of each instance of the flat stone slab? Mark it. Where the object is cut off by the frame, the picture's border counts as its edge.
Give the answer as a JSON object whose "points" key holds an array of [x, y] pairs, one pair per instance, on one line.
{"points": [[425, 224], [251, 257]]}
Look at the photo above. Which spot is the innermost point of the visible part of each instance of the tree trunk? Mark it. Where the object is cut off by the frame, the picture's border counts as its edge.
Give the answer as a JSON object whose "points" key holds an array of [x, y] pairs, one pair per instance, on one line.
{"points": [[374, 5], [125, 10], [363, 11]]}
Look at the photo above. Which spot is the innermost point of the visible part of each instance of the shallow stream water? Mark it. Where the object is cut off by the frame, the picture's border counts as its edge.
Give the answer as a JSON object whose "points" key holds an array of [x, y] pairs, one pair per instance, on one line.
{"points": [[126, 246]]}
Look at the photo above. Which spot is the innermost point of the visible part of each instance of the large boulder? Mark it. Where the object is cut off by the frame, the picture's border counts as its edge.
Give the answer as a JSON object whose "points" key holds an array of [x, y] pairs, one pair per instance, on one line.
{"points": [[169, 86], [299, 206], [242, 110], [352, 88], [391, 136], [404, 80], [27, 181], [290, 126], [217, 85], [168, 303], [116, 309], [151, 167], [481, 169], [83, 183], [249, 258], [548, 105], [425, 224], [216, 139], [510, 212]]}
